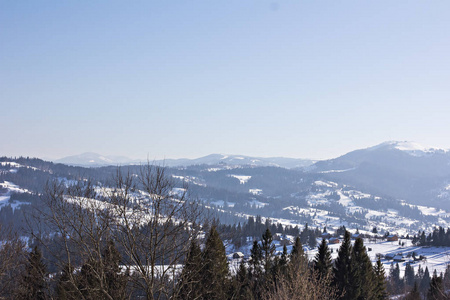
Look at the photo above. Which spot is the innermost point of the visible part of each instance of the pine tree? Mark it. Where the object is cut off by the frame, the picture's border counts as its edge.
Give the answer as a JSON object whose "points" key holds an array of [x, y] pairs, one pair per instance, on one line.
{"points": [[190, 284], [283, 260], [268, 250], [322, 261], [342, 268], [102, 278], [215, 272], [436, 290], [312, 242], [395, 281], [257, 274], [414, 294], [409, 275], [379, 291], [297, 256], [362, 275], [65, 288], [425, 282], [33, 283], [88, 279], [241, 283], [115, 281], [256, 260]]}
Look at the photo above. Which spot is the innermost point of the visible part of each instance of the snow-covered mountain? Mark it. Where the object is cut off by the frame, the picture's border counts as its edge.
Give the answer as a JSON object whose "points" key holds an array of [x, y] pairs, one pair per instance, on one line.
{"points": [[94, 160], [90, 159], [403, 170], [412, 148], [242, 160]]}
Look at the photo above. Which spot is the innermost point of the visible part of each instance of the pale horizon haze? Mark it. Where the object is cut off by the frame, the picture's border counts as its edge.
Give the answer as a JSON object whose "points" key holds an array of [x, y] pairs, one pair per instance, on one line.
{"points": [[173, 79]]}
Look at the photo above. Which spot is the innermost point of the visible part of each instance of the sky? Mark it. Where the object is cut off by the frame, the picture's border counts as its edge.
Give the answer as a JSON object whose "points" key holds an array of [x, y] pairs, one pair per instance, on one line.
{"points": [[172, 79]]}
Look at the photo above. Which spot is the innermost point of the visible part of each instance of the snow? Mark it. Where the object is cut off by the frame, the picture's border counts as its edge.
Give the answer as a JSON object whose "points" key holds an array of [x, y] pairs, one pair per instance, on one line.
{"points": [[432, 211], [345, 201], [190, 179], [255, 191], [11, 188], [15, 166], [180, 192], [257, 203], [327, 183], [412, 148], [337, 171], [242, 178], [4, 200], [221, 203]]}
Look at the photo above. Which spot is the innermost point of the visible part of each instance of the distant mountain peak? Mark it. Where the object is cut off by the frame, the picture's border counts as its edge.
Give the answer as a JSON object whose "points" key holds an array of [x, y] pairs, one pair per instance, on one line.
{"points": [[410, 147], [93, 159]]}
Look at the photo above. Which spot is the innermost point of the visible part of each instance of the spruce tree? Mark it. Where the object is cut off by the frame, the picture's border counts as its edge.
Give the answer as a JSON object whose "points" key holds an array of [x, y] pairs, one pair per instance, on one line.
{"points": [[190, 284], [115, 281], [414, 294], [102, 278], [409, 275], [215, 272], [379, 291], [436, 289], [65, 288], [362, 276], [322, 260], [396, 282], [256, 269], [297, 257], [33, 283], [342, 268], [312, 242], [241, 283], [89, 281], [256, 260], [425, 282], [283, 260], [268, 250]]}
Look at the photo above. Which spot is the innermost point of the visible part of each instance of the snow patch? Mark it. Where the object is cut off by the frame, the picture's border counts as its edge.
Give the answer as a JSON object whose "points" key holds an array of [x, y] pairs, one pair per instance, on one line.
{"points": [[255, 191], [257, 203], [242, 178]]}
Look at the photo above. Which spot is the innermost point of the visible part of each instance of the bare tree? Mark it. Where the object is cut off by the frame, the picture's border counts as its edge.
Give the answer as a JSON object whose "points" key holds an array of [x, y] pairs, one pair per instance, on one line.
{"points": [[302, 284], [12, 259], [154, 227], [150, 224]]}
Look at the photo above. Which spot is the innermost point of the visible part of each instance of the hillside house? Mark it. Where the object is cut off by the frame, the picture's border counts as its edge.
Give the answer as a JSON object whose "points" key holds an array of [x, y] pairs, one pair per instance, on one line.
{"points": [[399, 258], [392, 238], [334, 241]]}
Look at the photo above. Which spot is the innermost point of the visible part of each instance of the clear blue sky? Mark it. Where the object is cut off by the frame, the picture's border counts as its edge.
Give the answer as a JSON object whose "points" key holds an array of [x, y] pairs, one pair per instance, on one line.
{"points": [[188, 78]]}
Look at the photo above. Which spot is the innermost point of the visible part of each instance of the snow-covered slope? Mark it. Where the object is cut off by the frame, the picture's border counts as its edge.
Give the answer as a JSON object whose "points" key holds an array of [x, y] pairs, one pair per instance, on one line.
{"points": [[412, 148], [404, 170]]}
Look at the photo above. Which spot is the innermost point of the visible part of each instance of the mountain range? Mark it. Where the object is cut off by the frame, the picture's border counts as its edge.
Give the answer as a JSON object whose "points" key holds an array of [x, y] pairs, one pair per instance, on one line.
{"points": [[398, 169], [90, 159], [401, 184]]}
